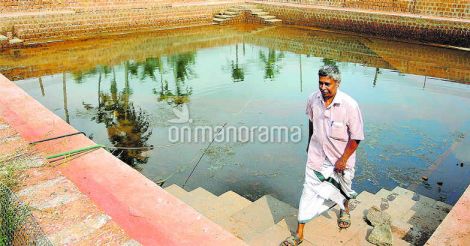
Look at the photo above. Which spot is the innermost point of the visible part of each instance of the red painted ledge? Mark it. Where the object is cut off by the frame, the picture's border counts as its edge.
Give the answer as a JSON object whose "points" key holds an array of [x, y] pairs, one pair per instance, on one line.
{"points": [[455, 228], [145, 211]]}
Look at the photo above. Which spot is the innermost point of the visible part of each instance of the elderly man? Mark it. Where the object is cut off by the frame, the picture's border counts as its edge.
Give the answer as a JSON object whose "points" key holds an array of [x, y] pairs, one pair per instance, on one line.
{"points": [[335, 130]]}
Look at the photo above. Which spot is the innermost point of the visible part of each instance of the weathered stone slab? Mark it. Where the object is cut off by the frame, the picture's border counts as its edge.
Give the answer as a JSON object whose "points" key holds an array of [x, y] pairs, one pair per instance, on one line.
{"points": [[381, 235], [377, 217]]}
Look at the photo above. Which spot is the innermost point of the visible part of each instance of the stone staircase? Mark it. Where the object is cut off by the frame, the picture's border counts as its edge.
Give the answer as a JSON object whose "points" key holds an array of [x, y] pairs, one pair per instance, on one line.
{"points": [[244, 13], [8, 40], [268, 221]]}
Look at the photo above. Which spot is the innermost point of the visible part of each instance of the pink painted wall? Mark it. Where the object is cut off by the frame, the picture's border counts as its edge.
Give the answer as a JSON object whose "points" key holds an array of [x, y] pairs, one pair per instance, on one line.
{"points": [[145, 211]]}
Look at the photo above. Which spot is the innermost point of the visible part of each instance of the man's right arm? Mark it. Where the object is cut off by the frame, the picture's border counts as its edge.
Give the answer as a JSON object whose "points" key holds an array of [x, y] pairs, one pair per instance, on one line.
{"points": [[310, 132], [309, 112]]}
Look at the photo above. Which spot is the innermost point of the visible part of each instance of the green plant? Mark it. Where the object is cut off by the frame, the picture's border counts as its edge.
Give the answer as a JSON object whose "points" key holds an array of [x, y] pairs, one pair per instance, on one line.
{"points": [[12, 215], [9, 176]]}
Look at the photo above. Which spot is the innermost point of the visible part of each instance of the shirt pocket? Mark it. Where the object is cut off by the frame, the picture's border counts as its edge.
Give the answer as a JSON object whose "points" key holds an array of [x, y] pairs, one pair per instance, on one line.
{"points": [[339, 131]]}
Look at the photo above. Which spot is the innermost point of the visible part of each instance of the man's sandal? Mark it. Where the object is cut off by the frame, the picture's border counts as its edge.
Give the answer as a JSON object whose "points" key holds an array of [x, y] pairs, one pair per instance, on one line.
{"points": [[344, 220], [292, 241]]}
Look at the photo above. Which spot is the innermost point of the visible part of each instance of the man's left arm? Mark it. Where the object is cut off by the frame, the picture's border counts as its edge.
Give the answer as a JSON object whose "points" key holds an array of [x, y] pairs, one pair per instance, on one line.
{"points": [[356, 134]]}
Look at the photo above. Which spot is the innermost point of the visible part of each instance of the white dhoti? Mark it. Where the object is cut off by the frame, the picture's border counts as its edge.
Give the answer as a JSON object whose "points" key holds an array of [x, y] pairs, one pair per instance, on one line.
{"points": [[324, 189]]}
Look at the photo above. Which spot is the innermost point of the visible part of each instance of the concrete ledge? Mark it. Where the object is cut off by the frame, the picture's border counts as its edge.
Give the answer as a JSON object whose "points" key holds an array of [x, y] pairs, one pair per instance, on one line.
{"points": [[455, 228], [146, 212]]}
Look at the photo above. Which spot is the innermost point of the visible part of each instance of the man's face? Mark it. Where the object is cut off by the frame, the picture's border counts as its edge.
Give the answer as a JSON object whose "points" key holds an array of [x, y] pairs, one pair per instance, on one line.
{"points": [[327, 86]]}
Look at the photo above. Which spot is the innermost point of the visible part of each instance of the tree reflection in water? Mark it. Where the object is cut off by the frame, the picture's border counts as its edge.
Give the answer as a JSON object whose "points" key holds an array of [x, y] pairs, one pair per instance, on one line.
{"points": [[271, 68], [238, 74], [127, 126], [182, 71]]}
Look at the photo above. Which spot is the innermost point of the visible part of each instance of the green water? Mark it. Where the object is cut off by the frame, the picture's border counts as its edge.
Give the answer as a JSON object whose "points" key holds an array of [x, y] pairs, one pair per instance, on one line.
{"points": [[415, 124]]}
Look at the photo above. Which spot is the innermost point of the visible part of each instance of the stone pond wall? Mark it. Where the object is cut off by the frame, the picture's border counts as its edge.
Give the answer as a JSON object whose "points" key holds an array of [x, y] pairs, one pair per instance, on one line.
{"points": [[433, 21], [430, 21], [7, 6], [441, 8], [36, 20]]}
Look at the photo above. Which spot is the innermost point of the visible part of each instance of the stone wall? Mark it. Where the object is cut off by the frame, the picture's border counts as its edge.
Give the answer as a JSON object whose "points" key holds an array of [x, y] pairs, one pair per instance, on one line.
{"points": [[8, 6], [389, 25], [441, 8], [75, 24], [431, 21]]}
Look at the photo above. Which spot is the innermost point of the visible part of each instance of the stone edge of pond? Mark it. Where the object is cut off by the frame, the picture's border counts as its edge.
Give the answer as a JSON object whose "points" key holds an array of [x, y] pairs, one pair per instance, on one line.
{"points": [[455, 228], [144, 210]]}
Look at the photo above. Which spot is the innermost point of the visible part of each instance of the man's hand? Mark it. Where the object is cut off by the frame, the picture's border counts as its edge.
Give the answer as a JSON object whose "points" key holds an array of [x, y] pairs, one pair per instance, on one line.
{"points": [[340, 165]]}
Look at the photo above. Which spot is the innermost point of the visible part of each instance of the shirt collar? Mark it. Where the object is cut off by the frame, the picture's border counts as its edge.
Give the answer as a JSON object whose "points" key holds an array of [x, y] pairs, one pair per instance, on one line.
{"points": [[337, 100]]}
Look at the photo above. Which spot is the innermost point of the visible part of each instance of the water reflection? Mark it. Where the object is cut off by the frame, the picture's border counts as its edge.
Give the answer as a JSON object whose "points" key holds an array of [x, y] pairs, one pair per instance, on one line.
{"points": [[41, 86], [377, 72], [64, 90], [182, 71], [331, 62], [144, 78], [271, 61], [238, 74], [128, 127]]}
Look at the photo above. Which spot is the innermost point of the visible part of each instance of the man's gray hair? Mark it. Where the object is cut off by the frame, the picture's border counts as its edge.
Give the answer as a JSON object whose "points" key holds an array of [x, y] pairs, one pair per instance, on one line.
{"points": [[330, 71]]}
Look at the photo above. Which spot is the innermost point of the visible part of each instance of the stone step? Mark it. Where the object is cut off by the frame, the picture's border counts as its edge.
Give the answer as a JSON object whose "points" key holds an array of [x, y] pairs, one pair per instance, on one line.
{"points": [[245, 7], [273, 21], [231, 13], [424, 221], [202, 193], [200, 199], [203, 201], [402, 208], [259, 216], [325, 228], [176, 191], [362, 203], [255, 10], [272, 236], [223, 16], [267, 17], [414, 217], [260, 13], [229, 203], [399, 227], [383, 193], [234, 9], [218, 20], [213, 207]]}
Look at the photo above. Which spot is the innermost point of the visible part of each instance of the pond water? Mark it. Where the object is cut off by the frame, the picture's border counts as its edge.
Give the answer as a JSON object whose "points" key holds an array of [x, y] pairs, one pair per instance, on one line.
{"points": [[125, 91]]}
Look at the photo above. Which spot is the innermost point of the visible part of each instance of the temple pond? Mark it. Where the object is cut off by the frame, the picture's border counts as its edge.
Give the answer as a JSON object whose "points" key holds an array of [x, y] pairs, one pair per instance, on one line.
{"points": [[123, 91]]}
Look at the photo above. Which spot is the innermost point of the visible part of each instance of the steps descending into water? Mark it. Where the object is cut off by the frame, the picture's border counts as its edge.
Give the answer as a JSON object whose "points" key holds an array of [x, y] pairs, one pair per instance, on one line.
{"points": [[268, 221], [231, 14], [258, 217]]}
